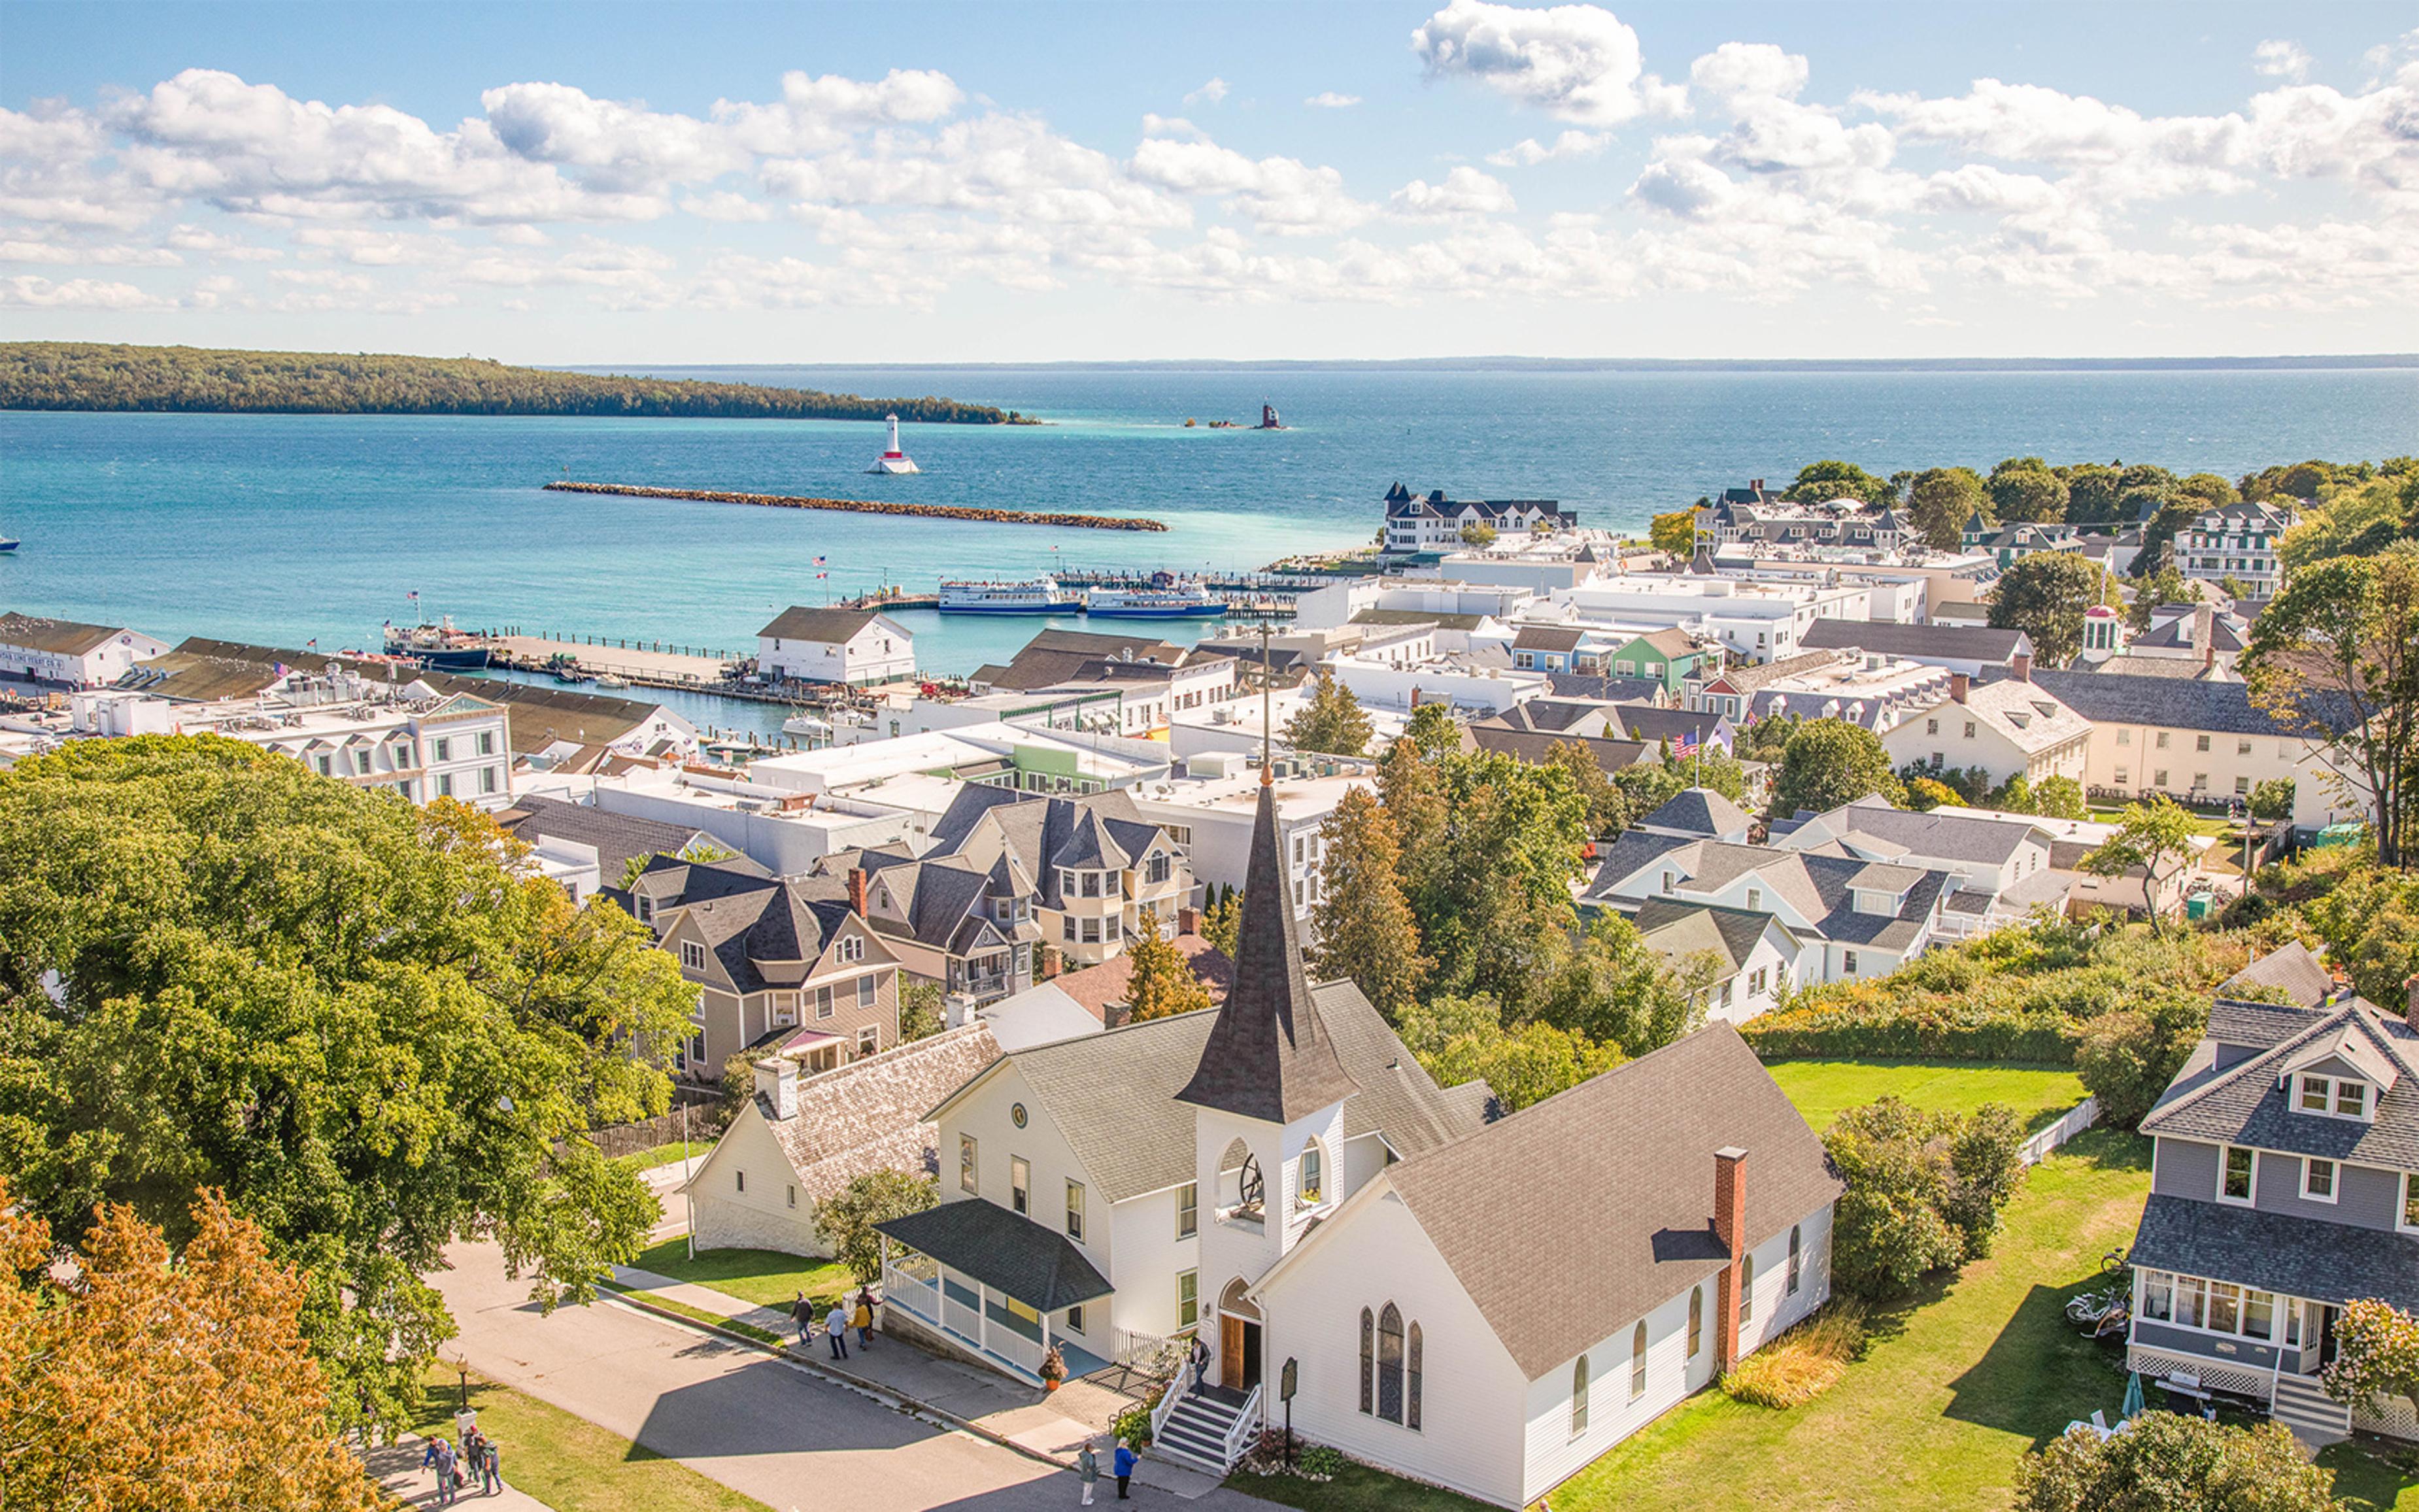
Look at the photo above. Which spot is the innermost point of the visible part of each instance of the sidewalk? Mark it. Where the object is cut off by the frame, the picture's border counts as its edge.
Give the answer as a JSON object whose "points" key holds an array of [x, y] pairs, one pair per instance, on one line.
{"points": [[1050, 1426], [396, 1469]]}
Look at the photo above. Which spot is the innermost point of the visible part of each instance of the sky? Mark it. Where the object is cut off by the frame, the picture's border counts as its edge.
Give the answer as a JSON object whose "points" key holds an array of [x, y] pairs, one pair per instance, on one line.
{"points": [[1015, 181]]}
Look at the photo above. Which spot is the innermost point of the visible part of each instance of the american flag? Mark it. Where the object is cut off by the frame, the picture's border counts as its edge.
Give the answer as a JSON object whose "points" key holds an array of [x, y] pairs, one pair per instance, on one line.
{"points": [[1685, 746], [311, 644], [822, 561]]}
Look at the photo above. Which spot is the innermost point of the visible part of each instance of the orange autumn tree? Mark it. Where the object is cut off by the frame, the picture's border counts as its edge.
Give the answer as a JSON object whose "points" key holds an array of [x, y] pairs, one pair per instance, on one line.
{"points": [[134, 1380]]}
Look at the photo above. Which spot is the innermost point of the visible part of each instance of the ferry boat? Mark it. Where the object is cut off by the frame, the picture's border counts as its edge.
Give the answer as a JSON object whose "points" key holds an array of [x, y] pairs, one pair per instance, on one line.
{"points": [[438, 646], [1034, 596], [1164, 599]]}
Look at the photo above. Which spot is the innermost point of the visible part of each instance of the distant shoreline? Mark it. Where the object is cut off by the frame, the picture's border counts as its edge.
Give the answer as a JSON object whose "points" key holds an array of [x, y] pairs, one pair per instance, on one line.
{"points": [[2369, 363]]}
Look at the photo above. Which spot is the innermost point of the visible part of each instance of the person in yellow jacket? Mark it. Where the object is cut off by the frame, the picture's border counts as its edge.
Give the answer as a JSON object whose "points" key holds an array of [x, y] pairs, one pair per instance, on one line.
{"points": [[863, 1317]]}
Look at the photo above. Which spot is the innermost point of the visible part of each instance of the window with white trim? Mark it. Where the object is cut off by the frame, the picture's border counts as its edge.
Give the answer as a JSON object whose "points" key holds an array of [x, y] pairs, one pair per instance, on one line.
{"points": [[2238, 1175], [2319, 1180], [692, 956], [2342, 1097], [2211, 1306], [851, 949], [967, 1151]]}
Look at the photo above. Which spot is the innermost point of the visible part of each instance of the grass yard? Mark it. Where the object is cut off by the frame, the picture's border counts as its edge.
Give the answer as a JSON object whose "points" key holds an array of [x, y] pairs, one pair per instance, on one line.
{"points": [[768, 1278], [671, 1154], [2365, 1483], [1955, 1386], [1356, 1488], [1824, 1089], [570, 1463]]}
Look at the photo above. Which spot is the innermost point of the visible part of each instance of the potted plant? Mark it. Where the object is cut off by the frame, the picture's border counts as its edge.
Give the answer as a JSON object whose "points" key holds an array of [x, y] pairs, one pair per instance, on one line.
{"points": [[1053, 1370]]}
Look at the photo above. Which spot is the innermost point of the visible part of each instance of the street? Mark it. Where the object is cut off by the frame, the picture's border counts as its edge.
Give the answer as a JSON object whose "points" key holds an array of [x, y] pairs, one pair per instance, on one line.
{"points": [[762, 1427]]}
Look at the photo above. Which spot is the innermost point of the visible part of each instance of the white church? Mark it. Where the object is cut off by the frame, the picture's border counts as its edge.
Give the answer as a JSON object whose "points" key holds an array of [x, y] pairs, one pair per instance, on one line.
{"points": [[1484, 1305]]}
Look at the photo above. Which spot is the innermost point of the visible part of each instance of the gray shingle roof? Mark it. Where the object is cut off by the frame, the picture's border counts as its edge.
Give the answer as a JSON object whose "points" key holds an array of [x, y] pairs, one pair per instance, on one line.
{"points": [[868, 1114], [1698, 811], [618, 838], [71, 638], [2300, 974], [1943, 837], [2178, 703], [1573, 1217], [1820, 888], [2309, 1257], [1039, 1267], [1918, 642], [1547, 637], [835, 627], [2240, 1101]]}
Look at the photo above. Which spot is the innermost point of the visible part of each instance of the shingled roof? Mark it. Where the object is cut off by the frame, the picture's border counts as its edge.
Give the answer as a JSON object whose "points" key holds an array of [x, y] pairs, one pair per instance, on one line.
{"points": [[870, 1114], [68, 638], [1631, 1155], [1269, 1057], [834, 627], [2222, 1099], [2179, 703]]}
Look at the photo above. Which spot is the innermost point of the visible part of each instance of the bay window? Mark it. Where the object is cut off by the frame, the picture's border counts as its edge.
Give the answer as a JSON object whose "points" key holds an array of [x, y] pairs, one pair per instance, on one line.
{"points": [[2211, 1306]]}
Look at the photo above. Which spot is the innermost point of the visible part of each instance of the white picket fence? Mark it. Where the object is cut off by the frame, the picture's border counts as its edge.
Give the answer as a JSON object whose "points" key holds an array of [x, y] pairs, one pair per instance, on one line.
{"points": [[2076, 1119]]}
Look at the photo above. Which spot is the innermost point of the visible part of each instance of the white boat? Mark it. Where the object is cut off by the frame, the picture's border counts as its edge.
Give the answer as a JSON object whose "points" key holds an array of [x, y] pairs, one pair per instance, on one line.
{"points": [[806, 727], [1164, 599], [1033, 595]]}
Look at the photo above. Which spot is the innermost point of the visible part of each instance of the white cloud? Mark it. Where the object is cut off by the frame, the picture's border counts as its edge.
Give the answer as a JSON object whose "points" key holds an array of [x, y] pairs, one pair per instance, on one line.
{"points": [[1280, 194], [819, 111], [2279, 59], [1330, 100], [28, 291], [1464, 192], [1737, 71], [1208, 94], [1578, 63], [1572, 144]]}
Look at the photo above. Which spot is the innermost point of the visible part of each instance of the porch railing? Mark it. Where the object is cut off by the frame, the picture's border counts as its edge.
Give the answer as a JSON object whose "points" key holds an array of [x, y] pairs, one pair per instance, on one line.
{"points": [[1014, 1347], [1166, 1408], [920, 1295], [960, 1319], [1245, 1427]]}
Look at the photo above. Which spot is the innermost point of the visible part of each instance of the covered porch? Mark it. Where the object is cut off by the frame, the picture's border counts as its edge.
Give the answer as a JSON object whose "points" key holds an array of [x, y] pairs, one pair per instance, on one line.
{"points": [[995, 1285]]}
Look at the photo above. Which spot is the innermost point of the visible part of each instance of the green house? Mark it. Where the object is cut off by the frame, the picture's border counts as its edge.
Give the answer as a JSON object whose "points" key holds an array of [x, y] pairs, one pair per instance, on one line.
{"points": [[1669, 657]]}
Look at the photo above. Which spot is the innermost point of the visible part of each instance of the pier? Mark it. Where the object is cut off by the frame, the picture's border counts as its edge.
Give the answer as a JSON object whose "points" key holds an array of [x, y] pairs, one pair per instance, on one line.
{"points": [[1248, 595], [869, 506]]}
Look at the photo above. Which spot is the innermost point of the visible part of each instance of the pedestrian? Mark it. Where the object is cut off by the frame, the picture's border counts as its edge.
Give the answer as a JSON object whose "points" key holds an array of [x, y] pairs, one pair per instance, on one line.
{"points": [[1199, 1359], [1087, 1467], [1123, 1461], [447, 1463], [864, 1319], [803, 1312], [837, 1326], [491, 1467]]}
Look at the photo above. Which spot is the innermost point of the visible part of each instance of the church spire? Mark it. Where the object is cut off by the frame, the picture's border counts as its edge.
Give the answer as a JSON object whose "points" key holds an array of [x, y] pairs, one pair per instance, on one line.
{"points": [[1269, 1057]]}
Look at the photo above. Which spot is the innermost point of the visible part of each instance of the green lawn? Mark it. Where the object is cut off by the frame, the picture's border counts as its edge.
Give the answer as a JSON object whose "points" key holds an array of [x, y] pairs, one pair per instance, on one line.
{"points": [[648, 1160], [2365, 1483], [1356, 1488], [1824, 1089], [571, 1464], [765, 1277]]}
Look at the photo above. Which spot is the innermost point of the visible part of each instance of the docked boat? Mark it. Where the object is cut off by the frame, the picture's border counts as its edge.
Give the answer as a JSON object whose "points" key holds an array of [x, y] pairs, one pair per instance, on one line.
{"points": [[611, 680], [1034, 596], [1164, 599], [438, 646]]}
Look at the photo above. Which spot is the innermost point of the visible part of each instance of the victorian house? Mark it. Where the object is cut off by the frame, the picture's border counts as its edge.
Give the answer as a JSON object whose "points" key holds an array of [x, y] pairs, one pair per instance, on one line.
{"points": [[1484, 1305]]}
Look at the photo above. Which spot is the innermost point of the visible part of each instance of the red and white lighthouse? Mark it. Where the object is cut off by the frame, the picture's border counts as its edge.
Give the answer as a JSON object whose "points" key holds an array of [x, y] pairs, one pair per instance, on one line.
{"points": [[894, 460]]}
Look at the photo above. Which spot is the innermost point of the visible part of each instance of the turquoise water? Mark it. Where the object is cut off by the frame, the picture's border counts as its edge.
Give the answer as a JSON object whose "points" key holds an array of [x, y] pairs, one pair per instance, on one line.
{"points": [[282, 528]]}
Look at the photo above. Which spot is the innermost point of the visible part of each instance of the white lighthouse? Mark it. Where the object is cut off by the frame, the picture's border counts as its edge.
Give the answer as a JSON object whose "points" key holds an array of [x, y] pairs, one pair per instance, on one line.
{"points": [[894, 460]]}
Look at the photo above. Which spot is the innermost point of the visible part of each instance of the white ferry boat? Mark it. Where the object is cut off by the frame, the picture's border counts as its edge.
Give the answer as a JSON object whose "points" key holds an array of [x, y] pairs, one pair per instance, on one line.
{"points": [[1164, 599], [1034, 596]]}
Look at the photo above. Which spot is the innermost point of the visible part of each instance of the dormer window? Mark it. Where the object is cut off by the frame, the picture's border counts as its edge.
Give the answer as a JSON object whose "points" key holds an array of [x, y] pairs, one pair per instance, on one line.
{"points": [[2344, 1097]]}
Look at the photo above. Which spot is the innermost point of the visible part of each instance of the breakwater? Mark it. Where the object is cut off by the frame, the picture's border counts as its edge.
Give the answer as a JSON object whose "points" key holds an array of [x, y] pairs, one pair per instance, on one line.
{"points": [[869, 506]]}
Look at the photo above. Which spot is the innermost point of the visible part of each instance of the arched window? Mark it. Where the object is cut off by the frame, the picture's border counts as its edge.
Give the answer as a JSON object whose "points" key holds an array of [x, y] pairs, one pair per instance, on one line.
{"points": [[1239, 1182], [1638, 1362], [1579, 1398], [1793, 1259], [1309, 1186], [1390, 1364], [1411, 1397], [1696, 1322], [1368, 1360], [1746, 1289]]}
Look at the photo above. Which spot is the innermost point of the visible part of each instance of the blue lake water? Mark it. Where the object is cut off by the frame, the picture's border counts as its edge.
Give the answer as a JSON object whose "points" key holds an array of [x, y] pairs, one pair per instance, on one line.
{"points": [[284, 528]]}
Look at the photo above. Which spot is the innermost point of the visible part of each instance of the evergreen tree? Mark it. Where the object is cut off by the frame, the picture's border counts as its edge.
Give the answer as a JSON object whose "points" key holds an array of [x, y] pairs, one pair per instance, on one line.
{"points": [[1332, 723], [1162, 985], [1366, 928], [1221, 920]]}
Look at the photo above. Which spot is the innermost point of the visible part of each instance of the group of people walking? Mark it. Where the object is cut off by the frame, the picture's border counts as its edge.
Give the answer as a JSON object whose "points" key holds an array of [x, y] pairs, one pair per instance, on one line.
{"points": [[844, 1316], [477, 1460]]}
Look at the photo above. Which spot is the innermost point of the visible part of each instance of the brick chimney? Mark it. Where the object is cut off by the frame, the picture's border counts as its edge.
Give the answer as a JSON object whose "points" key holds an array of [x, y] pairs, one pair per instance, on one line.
{"points": [[2021, 666], [1959, 685], [856, 890], [2411, 1000], [776, 1083], [1188, 920], [1729, 1228], [1756, 484], [1052, 961]]}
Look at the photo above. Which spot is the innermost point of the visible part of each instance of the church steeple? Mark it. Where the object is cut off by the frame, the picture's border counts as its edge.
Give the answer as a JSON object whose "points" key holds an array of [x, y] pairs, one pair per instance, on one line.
{"points": [[1269, 1057]]}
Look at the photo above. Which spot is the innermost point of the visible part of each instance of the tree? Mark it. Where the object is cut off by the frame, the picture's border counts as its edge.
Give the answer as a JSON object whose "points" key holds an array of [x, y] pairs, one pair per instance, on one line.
{"points": [[2169, 1462], [2024, 491], [1163, 983], [1332, 723], [1832, 761], [162, 1381], [1457, 1039], [2163, 586], [1924, 1191], [1220, 921], [1433, 731], [1608, 807], [1818, 481], [2376, 1356], [1925, 793], [1612, 990], [2060, 798], [1941, 499], [2273, 799], [737, 1087], [847, 1218], [1490, 848], [1675, 532], [702, 853], [374, 1027], [2156, 837], [1477, 534], [922, 1012], [2335, 657], [2045, 595], [1366, 928], [2127, 1057]]}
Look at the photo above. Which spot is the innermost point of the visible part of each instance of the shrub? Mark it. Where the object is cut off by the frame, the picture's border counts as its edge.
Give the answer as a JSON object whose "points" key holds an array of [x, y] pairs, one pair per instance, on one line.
{"points": [[2169, 1462], [1320, 1461], [2126, 1059], [1132, 1426], [2376, 1356], [1802, 1364], [1924, 1191]]}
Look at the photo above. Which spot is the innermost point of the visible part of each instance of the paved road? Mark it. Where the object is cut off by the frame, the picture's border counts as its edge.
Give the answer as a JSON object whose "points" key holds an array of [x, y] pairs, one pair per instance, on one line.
{"points": [[761, 1425]]}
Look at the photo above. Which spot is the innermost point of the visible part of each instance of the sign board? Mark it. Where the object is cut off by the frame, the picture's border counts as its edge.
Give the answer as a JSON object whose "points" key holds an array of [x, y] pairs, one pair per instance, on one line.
{"points": [[1285, 1380]]}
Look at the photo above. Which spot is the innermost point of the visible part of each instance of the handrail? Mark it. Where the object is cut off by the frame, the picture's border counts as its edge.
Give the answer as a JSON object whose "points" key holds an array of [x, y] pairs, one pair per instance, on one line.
{"points": [[1242, 1427], [1166, 1408]]}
